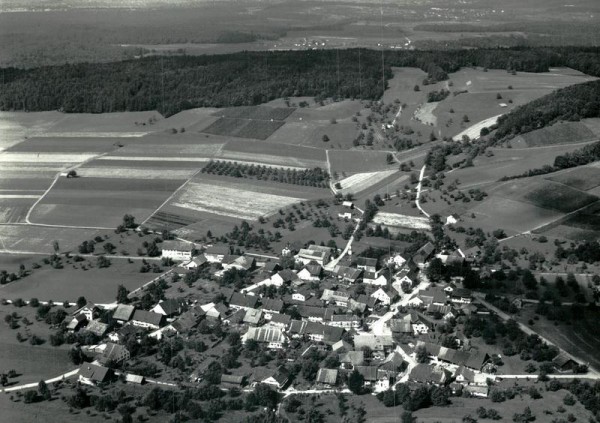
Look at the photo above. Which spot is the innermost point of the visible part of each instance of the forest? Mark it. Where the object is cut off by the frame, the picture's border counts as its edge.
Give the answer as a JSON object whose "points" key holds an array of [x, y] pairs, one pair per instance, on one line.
{"points": [[567, 104], [175, 83]]}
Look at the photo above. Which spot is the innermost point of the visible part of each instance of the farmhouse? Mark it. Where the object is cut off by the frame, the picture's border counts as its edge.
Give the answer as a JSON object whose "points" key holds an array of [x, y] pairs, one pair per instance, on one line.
{"points": [[374, 342], [97, 328], [424, 373], [563, 362], [216, 253], [384, 296], [92, 374], [397, 260], [281, 321], [170, 307], [346, 321], [461, 295], [240, 301], [316, 253], [347, 274], [88, 310], [283, 277], [338, 298], [77, 323], [279, 378], [271, 306], [196, 262], [327, 377], [271, 336], [423, 254], [348, 204], [367, 264], [316, 331], [311, 272], [177, 250], [375, 278], [113, 354], [123, 313], [147, 319], [238, 262], [253, 317], [351, 359]]}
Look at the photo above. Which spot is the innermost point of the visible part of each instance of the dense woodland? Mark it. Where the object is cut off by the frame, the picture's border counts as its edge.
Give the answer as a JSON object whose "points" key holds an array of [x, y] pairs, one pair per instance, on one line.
{"points": [[172, 84], [567, 104]]}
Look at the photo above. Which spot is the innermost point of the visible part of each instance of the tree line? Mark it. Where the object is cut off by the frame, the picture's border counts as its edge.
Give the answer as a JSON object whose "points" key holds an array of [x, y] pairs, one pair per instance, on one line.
{"points": [[315, 177], [176, 83]]}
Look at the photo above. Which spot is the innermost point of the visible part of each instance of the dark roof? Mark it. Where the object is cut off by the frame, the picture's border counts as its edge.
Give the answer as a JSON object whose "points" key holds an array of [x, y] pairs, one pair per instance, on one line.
{"points": [[368, 372], [327, 376], [177, 245], [365, 261], [232, 379], [281, 318], [148, 317], [218, 250], [271, 266], [173, 306], [314, 269], [272, 304], [94, 372], [562, 359], [461, 292], [287, 275], [97, 327], [242, 300], [425, 373], [112, 352], [281, 376]]}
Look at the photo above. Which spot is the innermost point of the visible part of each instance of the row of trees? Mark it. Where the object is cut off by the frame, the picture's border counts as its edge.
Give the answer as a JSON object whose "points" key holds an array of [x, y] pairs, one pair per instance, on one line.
{"points": [[315, 177]]}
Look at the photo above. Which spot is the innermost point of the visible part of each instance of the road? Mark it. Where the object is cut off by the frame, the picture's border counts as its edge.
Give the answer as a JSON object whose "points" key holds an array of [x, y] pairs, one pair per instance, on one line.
{"points": [[527, 330], [141, 288], [331, 265], [35, 384], [421, 175]]}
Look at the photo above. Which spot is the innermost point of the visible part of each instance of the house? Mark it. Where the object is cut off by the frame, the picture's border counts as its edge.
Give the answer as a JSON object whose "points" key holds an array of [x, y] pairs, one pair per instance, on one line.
{"points": [[401, 326], [235, 318], [327, 377], [92, 374], [425, 373], [564, 363], [316, 253], [281, 321], [177, 250], [232, 380], [383, 295], [415, 302], [196, 262], [366, 264], [397, 261], [311, 272], [338, 298], [284, 276], [279, 379], [97, 328], [216, 253], [170, 307], [245, 263], [113, 354], [271, 267], [375, 278], [253, 317], [188, 320], [147, 319], [345, 216], [88, 310], [351, 359], [379, 343], [452, 219], [302, 294], [423, 254], [123, 313], [433, 296], [348, 204], [406, 275], [137, 379], [461, 295], [316, 331], [421, 324], [273, 337], [241, 301], [271, 306], [346, 321], [77, 323], [341, 346]]}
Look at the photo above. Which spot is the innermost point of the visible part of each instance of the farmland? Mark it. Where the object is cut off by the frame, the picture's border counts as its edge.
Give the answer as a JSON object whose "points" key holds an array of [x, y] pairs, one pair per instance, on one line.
{"points": [[362, 181], [355, 161], [396, 220], [582, 178], [243, 128], [560, 133]]}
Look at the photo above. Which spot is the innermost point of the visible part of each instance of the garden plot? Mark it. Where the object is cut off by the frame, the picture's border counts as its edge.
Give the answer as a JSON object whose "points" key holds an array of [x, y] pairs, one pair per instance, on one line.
{"points": [[231, 201], [362, 181], [396, 220]]}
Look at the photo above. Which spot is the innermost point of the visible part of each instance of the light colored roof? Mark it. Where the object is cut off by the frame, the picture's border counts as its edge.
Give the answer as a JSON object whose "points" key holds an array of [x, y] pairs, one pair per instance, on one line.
{"points": [[123, 312], [177, 246], [328, 376]]}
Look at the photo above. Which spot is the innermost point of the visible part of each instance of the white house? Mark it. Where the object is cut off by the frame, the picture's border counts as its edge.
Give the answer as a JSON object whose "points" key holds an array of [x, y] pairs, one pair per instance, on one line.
{"points": [[375, 278], [415, 301], [348, 204], [177, 250], [315, 253], [452, 219], [382, 296], [397, 260], [216, 253], [196, 262]]}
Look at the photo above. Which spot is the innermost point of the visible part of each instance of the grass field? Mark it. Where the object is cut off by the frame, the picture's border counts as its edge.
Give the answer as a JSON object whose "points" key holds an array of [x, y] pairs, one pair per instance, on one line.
{"points": [[256, 112], [362, 181], [402, 221], [355, 161], [559, 133], [15, 126], [243, 128], [583, 178], [121, 124], [260, 152], [39, 239], [310, 133], [558, 197]]}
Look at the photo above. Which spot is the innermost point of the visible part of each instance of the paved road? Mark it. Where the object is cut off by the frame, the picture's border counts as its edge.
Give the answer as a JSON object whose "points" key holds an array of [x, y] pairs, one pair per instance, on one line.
{"points": [[331, 265], [421, 175], [35, 384]]}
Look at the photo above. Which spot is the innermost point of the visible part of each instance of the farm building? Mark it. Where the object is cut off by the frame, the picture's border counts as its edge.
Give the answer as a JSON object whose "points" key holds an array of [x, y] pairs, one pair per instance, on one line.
{"points": [[310, 272], [273, 337], [346, 321], [375, 278], [383, 295], [147, 319], [92, 374], [97, 328], [281, 321], [177, 250], [88, 310], [563, 362], [366, 264], [123, 313], [170, 307], [327, 377], [316, 253], [253, 317], [423, 254], [278, 379], [348, 204], [113, 353], [196, 262]]}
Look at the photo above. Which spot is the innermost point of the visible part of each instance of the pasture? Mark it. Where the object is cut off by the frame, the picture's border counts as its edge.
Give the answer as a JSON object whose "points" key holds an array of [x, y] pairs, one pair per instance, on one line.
{"points": [[583, 178], [310, 133], [39, 239], [120, 124], [356, 161], [16, 126], [559, 133], [260, 152], [243, 128]]}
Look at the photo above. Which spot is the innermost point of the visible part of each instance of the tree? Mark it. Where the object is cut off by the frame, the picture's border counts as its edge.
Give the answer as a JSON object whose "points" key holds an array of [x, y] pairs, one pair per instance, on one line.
{"points": [[55, 246], [129, 222], [81, 301], [72, 173], [356, 382], [30, 396], [325, 138], [122, 295], [422, 355], [44, 391], [407, 416]]}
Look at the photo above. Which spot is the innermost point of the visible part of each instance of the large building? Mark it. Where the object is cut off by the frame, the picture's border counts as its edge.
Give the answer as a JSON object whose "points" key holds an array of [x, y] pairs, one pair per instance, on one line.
{"points": [[177, 250]]}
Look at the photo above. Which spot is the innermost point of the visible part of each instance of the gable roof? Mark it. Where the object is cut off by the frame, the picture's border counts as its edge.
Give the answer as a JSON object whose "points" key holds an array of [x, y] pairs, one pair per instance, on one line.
{"points": [[365, 261], [242, 300], [172, 306], [272, 304], [148, 317], [123, 312], [177, 246], [327, 376], [217, 250], [97, 327], [265, 334], [252, 316], [281, 318], [94, 372]]}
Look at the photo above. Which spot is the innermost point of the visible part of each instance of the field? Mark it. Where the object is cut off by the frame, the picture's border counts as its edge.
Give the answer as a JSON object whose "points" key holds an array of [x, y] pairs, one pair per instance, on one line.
{"points": [[557, 197], [402, 221], [260, 152], [256, 113], [583, 178], [15, 127], [243, 128], [362, 181], [39, 239], [355, 161], [121, 124], [310, 133], [559, 133], [473, 132]]}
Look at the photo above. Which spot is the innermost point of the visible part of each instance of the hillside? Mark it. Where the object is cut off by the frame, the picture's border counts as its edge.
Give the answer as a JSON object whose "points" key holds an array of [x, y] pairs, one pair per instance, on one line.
{"points": [[172, 84]]}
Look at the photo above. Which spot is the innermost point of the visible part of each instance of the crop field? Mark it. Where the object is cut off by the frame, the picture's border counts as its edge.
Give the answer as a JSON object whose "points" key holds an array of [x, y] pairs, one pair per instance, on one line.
{"points": [[473, 131], [190, 120], [241, 203], [402, 221], [14, 208], [339, 110], [15, 126], [583, 178], [259, 152], [559, 133], [558, 197], [102, 202], [362, 181], [355, 161], [182, 147], [255, 112], [120, 124], [310, 133], [42, 146], [243, 128]]}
